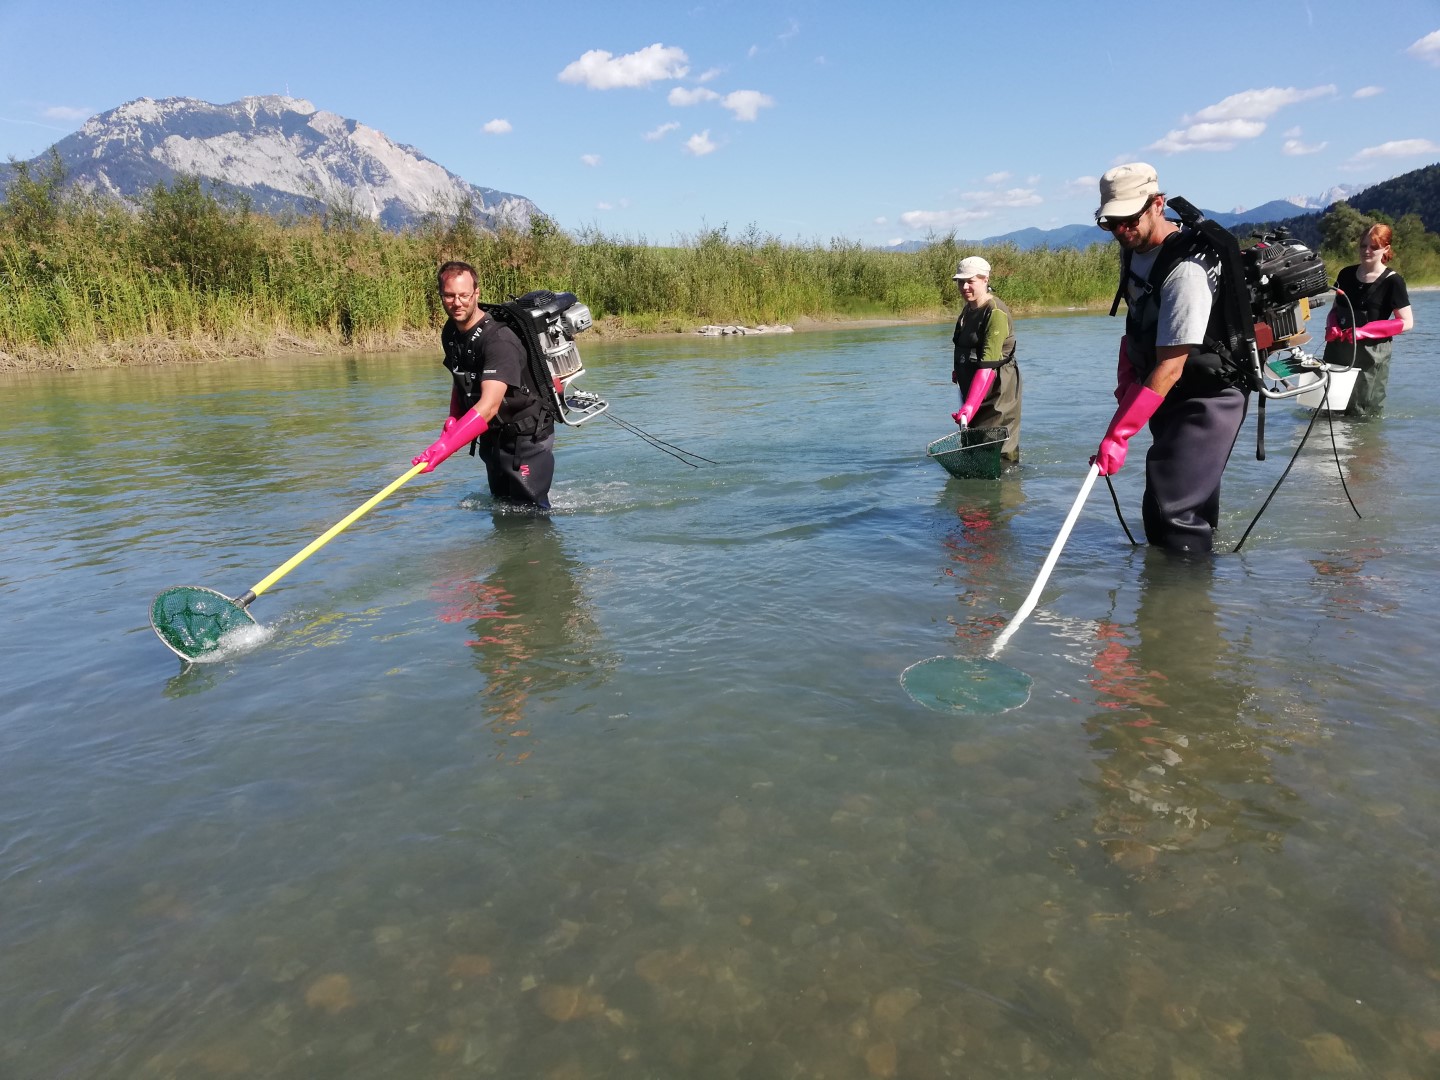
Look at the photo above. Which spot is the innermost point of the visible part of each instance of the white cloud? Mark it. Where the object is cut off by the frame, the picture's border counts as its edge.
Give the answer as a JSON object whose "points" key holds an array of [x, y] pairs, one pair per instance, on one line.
{"points": [[1427, 49], [1081, 185], [882, 220], [604, 206], [1210, 136], [940, 219], [67, 113], [752, 52], [1295, 148], [1235, 119], [590, 159], [707, 76], [1008, 199], [1399, 148], [700, 144], [746, 104], [997, 177], [497, 127], [790, 31], [600, 70], [680, 97], [660, 132], [1368, 91], [1292, 133], [1257, 104]]}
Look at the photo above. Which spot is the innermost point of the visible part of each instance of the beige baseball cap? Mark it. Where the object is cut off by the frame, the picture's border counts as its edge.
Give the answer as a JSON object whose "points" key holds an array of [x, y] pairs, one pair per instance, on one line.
{"points": [[1125, 190], [972, 266]]}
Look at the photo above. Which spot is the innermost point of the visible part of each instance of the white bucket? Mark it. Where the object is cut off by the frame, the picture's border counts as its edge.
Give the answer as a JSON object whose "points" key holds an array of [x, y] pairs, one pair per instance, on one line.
{"points": [[1342, 382]]}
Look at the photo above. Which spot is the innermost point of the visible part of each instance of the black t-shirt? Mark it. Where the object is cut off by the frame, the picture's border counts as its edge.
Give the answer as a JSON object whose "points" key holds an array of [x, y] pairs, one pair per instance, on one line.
{"points": [[1378, 299], [491, 352]]}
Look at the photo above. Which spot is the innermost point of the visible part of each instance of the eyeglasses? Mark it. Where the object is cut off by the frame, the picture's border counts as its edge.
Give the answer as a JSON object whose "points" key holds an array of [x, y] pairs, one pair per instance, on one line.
{"points": [[1110, 224]]}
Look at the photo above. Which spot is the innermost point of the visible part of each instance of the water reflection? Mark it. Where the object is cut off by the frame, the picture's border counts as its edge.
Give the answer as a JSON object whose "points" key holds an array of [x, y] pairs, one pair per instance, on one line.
{"points": [[978, 543], [1181, 766], [532, 627]]}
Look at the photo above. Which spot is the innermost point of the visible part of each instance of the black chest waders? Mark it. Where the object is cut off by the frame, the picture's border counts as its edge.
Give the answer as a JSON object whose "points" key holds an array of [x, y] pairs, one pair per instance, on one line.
{"points": [[1000, 410], [1252, 344], [518, 448]]}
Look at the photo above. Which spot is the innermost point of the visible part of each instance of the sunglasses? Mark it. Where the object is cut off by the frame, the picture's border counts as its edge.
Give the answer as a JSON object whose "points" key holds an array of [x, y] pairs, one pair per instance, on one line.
{"points": [[1110, 224]]}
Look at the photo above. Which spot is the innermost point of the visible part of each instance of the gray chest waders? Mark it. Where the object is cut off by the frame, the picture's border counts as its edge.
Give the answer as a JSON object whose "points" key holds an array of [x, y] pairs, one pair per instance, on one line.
{"points": [[1193, 437]]}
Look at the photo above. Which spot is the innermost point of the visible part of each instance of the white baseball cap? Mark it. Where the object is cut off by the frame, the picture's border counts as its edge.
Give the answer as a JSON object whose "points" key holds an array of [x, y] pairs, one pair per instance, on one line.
{"points": [[972, 266]]}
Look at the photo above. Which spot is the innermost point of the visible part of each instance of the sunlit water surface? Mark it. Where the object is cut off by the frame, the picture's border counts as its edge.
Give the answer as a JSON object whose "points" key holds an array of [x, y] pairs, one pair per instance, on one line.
{"points": [[635, 791]]}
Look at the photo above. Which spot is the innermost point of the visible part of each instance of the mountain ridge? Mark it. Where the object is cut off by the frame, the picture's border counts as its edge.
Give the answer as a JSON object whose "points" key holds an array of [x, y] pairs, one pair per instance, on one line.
{"points": [[1083, 235], [283, 153]]}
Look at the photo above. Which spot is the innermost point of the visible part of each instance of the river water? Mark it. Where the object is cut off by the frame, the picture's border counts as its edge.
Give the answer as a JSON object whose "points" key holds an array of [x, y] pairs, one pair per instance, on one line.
{"points": [[635, 791]]}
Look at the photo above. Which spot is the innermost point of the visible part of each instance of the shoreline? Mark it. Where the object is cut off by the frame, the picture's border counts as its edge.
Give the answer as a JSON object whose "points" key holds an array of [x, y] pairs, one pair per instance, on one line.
{"points": [[165, 351]]}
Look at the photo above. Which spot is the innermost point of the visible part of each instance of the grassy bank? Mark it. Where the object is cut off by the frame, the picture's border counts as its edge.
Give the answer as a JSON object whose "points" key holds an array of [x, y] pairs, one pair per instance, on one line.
{"points": [[189, 277], [85, 283]]}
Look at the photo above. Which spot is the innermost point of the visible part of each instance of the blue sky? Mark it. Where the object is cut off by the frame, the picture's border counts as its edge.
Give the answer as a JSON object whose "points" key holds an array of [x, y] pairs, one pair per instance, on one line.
{"points": [[810, 120]]}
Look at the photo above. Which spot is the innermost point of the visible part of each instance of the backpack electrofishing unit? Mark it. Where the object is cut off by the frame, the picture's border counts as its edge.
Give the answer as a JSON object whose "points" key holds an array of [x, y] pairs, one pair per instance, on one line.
{"points": [[547, 323], [1265, 296]]}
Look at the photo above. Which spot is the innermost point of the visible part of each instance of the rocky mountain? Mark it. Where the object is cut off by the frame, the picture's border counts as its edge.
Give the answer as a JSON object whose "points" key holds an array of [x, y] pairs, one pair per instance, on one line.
{"points": [[281, 152], [1326, 198]]}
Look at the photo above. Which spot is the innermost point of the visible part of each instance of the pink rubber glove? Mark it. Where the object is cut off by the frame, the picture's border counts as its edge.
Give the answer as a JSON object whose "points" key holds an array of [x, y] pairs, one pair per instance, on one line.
{"points": [[1124, 373], [458, 432], [980, 385], [1335, 333], [1380, 328], [1133, 414]]}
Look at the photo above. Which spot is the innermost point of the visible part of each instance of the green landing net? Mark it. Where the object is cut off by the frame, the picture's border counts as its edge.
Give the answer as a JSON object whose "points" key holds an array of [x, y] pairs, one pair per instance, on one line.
{"points": [[192, 620], [966, 685], [971, 453]]}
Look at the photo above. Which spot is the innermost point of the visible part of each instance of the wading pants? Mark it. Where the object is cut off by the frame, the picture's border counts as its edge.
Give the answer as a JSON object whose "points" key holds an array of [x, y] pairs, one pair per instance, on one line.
{"points": [[1001, 408], [1193, 439], [520, 468]]}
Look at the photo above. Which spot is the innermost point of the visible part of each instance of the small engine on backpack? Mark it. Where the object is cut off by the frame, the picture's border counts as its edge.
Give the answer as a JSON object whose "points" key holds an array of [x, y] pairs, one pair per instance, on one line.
{"points": [[1283, 276], [546, 323]]}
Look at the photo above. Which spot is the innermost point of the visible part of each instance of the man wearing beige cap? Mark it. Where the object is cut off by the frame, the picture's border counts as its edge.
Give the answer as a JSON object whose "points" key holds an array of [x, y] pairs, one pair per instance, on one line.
{"points": [[1168, 376], [985, 369]]}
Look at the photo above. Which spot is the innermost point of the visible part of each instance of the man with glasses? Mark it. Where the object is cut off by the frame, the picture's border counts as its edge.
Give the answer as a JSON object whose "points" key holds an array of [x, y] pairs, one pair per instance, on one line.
{"points": [[1168, 377], [491, 401]]}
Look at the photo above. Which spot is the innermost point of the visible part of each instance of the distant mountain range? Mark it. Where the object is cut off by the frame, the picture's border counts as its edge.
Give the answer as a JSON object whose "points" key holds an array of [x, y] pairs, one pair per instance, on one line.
{"points": [[1080, 236], [1416, 192], [284, 154]]}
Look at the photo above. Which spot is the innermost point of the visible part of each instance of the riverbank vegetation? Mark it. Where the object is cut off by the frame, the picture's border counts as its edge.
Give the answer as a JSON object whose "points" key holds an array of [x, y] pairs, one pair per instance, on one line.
{"points": [[85, 281]]}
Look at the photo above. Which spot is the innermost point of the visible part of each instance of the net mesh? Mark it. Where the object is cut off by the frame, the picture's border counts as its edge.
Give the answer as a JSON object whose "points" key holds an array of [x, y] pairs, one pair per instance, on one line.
{"points": [[958, 684], [192, 620], [971, 453]]}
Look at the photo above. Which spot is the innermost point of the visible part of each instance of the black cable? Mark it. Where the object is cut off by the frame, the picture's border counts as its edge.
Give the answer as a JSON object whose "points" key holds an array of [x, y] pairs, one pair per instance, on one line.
{"points": [[660, 444], [1116, 500], [1324, 407], [1339, 469], [1324, 402]]}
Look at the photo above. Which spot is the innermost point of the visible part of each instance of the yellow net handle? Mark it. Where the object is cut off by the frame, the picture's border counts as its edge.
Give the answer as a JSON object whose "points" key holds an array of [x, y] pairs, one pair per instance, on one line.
{"points": [[329, 534]]}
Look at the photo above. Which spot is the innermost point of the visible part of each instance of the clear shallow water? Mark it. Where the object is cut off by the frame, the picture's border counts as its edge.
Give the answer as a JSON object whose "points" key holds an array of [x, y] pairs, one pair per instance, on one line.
{"points": [[635, 791]]}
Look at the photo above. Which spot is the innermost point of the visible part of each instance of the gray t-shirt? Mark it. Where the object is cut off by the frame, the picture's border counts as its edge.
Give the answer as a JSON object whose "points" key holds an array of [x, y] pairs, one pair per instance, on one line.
{"points": [[1186, 296]]}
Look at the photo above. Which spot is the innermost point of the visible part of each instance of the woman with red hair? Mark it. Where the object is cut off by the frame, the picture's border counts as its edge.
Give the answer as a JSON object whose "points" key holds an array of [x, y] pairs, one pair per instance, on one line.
{"points": [[1372, 309]]}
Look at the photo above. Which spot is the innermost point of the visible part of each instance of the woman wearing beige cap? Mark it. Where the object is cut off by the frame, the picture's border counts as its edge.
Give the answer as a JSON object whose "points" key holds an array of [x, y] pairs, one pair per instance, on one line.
{"points": [[985, 369]]}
